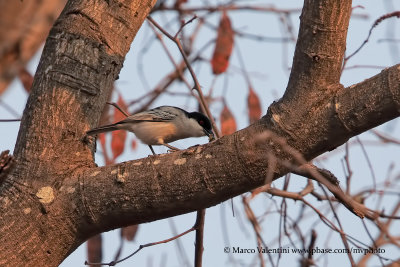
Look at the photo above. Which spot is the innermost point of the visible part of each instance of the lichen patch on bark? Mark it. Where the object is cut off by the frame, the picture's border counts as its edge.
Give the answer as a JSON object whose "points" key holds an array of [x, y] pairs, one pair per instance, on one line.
{"points": [[45, 194]]}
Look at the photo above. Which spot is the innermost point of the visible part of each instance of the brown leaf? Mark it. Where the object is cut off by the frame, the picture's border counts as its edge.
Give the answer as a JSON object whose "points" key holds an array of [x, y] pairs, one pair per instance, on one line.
{"points": [[102, 138], [254, 106], [134, 144], [129, 232], [223, 46], [118, 137], [178, 3], [118, 142], [228, 123], [26, 79], [94, 249]]}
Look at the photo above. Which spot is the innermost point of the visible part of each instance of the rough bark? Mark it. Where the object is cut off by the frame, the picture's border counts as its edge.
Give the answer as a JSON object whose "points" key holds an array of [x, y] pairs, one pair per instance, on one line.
{"points": [[158, 187], [24, 27], [40, 221], [55, 198]]}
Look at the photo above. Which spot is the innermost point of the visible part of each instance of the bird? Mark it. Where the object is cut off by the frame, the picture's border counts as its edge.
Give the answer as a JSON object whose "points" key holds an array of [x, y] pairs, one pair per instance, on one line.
{"points": [[161, 125]]}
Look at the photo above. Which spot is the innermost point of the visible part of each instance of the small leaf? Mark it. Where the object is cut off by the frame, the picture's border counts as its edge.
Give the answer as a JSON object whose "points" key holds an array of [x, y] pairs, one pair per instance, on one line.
{"points": [[223, 46], [26, 79], [178, 3], [134, 144], [254, 106], [94, 249], [118, 142], [228, 123], [118, 137], [129, 232]]}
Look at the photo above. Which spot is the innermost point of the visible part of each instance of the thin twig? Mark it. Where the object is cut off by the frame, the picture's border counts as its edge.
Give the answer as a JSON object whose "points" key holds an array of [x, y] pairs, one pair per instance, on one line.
{"points": [[113, 263], [183, 25], [10, 109], [385, 138], [183, 257], [177, 68], [225, 235], [342, 233], [231, 7], [368, 161], [348, 168], [320, 175], [118, 107], [197, 86], [199, 248], [257, 229], [121, 245], [372, 240], [308, 262], [379, 20], [9, 120]]}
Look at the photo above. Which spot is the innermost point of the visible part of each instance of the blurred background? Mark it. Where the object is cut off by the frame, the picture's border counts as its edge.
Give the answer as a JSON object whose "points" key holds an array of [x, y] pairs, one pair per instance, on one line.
{"points": [[261, 36]]}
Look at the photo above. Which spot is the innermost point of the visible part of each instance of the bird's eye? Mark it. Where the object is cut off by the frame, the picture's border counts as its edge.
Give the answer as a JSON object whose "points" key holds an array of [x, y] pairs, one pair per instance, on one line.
{"points": [[201, 122]]}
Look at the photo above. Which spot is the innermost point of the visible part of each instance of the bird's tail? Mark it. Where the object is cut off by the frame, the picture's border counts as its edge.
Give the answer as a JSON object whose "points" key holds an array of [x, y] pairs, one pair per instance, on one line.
{"points": [[102, 129]]}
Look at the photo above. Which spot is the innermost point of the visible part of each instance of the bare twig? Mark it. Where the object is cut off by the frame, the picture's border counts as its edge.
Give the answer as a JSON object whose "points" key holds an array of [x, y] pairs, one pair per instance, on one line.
{"points": [[121, 246], [205, 108], [183, 25], [197, 86], [183, 257], [113, 263], [348, 171], [118, 107], [198, 254], [322, 176], [342, 233], [368, 161], [379, 20], [257, 229], [160, 88], [308, 262], [225, 235], [10, 109], [177, 68], [385, 138], [9, 120], [228, 7]]}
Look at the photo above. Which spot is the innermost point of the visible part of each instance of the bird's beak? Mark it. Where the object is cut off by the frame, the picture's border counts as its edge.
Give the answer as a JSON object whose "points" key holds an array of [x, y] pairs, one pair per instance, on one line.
{"points": [[210, 135]]}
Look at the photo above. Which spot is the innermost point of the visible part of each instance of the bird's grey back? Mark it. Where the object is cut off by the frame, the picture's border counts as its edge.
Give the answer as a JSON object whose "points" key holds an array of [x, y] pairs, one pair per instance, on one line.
{"points": [[163, 113]]}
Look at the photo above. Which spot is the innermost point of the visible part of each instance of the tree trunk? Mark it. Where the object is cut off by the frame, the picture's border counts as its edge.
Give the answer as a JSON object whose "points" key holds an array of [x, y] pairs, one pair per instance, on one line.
{"points": [[43, 220], [55, 197]]}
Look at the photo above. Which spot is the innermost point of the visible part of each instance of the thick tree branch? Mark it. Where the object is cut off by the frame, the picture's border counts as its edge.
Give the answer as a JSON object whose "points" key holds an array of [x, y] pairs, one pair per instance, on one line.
{"points": [[158, 187], [320, 48], [316, 69]]}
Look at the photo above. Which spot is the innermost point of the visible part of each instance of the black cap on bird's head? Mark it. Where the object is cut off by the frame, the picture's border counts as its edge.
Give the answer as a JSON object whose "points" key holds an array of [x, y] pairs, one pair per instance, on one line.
{"points": [[203, 121]]}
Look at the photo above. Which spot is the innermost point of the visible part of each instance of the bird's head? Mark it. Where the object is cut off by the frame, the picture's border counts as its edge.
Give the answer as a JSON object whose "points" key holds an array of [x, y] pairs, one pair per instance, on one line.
{"points": [[202, 124]]}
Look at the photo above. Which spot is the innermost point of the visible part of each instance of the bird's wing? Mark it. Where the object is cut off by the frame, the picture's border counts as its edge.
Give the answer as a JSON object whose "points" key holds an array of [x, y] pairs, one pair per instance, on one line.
{"points": [[153, 115]]}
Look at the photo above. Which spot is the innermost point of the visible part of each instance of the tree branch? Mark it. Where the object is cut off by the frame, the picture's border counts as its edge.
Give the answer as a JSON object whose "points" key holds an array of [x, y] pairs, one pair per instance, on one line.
{"points": [[320, 48], [197, 178]]}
